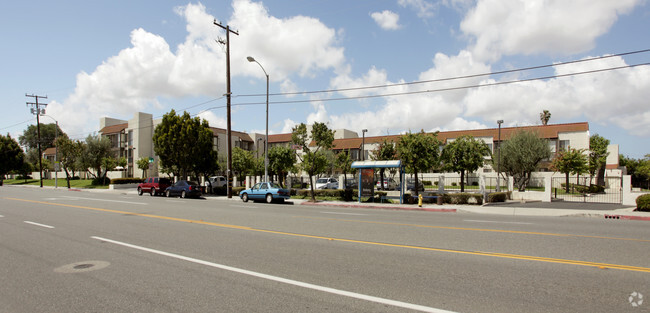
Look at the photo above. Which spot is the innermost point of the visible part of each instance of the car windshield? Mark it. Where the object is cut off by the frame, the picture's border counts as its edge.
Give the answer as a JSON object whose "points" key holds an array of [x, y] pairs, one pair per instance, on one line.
{"points": [[322, 181]]}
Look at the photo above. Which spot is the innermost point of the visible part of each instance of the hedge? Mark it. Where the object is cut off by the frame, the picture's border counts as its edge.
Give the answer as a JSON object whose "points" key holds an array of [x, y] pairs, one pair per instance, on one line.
{"points": [[498, 197], [643, 203], [129, 180]]}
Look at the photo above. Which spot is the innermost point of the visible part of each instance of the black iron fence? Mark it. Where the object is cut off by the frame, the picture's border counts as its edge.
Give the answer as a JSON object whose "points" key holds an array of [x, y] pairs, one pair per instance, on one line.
{"points": [[584, 189]]}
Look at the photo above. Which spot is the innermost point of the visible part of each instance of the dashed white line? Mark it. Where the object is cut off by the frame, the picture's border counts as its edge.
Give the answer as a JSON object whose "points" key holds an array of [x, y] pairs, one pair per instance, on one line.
{"points": [[350, 294], [2, 216], [343, 213], [499, 222], [38, 224]]}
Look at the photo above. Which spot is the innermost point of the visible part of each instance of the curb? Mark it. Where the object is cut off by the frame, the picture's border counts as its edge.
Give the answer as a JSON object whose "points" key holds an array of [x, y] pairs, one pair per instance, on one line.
{"points": [[380, 207], [627, 217]]}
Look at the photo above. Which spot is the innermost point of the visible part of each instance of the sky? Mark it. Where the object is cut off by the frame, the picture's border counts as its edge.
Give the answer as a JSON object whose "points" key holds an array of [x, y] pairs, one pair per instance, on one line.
{"points": [[432, 65]]}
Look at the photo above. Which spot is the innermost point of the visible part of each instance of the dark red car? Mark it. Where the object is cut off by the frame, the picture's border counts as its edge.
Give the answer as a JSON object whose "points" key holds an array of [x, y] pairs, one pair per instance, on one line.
{"points": [[154, 185]]}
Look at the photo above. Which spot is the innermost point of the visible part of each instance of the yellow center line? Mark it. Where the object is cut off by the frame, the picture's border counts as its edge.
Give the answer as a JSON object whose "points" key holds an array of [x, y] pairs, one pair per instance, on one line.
{"points": [[473, 229], [481, 253]]}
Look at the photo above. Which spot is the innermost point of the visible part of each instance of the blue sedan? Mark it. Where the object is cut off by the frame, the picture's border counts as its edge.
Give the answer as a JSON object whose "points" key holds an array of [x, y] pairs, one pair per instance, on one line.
{"points": [[184, 188], [267, 191]]}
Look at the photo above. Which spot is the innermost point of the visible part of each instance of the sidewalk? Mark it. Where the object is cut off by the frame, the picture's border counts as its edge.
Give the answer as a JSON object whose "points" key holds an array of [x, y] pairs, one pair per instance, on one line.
{"points": [[513, 208]]}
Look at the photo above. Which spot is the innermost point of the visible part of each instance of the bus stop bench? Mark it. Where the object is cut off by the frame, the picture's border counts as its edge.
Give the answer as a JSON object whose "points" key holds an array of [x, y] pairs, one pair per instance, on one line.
{"points": [[389, 197]]}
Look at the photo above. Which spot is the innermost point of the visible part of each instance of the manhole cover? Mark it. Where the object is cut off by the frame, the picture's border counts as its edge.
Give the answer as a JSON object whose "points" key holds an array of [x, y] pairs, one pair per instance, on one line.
{"points": [[80, 267]]}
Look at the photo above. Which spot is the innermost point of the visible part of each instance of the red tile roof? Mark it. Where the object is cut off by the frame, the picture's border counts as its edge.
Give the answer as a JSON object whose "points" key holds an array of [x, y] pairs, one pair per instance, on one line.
{"points": [[113, 129]]}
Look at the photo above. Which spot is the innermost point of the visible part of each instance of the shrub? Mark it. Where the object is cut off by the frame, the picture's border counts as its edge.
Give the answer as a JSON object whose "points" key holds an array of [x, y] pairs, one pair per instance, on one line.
{"points": [[128, 180], [497, 197], [474, 183], [454, 184], [643, 203], [426, 182], [436, 183], [100, 182]]}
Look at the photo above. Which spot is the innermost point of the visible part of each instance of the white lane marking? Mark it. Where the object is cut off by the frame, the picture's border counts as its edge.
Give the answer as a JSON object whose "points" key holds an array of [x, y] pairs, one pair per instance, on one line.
{"points": [[282, 280], [118, 201], [38, 224], [244, 206], [2, 216], [343, 213], [480, 221]]}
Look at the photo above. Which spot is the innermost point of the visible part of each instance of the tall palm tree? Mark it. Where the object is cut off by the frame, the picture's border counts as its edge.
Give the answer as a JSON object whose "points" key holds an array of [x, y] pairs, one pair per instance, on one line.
{"points": [[545, 116]]}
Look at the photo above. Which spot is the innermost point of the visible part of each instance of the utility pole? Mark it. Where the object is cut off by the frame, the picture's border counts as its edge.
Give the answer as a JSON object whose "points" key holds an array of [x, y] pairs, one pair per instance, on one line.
{"points": [[36, 109], [228, 94]]}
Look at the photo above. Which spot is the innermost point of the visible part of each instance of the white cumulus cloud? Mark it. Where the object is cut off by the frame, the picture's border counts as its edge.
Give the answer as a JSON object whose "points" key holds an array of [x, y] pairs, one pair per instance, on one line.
{"points": [[386, 19]]}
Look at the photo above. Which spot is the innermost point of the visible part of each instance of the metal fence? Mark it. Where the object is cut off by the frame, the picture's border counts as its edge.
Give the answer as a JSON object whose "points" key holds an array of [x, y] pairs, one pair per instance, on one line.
{"points": [[583, 189]]}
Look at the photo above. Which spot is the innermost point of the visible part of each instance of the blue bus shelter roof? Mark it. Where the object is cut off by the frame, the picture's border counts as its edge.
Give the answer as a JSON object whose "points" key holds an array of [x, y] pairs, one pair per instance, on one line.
{"points": [[377, 164]]}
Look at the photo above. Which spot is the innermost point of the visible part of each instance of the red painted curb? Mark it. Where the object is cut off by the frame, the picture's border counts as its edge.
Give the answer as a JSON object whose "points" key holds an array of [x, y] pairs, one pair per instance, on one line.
{"points": [[382, 207], [628, 217]]}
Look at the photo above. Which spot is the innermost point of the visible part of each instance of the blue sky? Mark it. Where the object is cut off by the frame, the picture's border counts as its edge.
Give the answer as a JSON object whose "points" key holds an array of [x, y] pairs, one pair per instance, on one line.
{"points": [[115, 58]]}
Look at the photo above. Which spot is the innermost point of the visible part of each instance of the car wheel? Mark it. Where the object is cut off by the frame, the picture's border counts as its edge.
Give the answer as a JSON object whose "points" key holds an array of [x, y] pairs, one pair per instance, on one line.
{"points": [[183, 194], [139, 191], [152, 192], [269, 198], [168, 194], [244, 197]]}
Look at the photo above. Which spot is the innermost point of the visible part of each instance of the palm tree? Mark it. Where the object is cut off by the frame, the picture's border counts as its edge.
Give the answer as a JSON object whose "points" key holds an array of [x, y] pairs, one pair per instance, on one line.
{"points": [[545, 116]]}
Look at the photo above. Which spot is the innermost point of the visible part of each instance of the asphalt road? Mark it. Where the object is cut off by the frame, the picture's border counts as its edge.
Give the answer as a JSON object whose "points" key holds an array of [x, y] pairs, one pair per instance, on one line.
{"points": [[63, 251]]}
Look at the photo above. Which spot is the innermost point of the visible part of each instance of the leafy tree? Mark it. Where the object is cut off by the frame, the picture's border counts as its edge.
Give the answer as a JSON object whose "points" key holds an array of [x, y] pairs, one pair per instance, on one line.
{"points": [[344, 162], [419, 152], [97, 151], [281, 161], [184, 145], [29, 139], [598, 157], [521, 155], [69, 155], [545, 116], [384, 152], [465, 154], [243, 162], [143, 164], [11, 156], [572, 161], [313, 161], [639, 169]]}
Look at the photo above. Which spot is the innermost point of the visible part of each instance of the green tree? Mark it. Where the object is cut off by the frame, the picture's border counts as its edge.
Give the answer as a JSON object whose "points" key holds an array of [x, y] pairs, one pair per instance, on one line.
{"points": [[243, 162], [385, 151], [69, 156], [521, 155], [281, 161], [313, 161], [465, 154], [545, 116], [344, 162], [29, 139], [11, 156], [96, 155], [572, 161], [598, 157], [419, 152], [184, 145], [143, 164]]}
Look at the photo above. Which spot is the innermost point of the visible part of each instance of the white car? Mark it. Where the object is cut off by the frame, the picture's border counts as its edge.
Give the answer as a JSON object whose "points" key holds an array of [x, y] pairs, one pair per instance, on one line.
{"points": [[389, 184], [215, 182], [326, 183]]}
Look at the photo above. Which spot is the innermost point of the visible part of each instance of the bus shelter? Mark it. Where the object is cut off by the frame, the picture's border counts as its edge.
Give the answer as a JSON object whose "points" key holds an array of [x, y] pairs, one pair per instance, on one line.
{"points": [[366, 176]]}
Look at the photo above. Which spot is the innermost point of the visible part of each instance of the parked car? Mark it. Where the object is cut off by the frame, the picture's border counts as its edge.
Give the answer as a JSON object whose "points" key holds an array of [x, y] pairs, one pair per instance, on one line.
{"points": [[326, 183], [184, 189], [215, 182], [154, 185], [389, 184], [410, 184], [267, 191]]}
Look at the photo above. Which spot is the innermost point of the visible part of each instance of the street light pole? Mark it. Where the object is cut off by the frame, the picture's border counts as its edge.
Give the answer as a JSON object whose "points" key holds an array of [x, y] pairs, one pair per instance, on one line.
{"points": [[499, 158], [266, 141], [363, 144]]}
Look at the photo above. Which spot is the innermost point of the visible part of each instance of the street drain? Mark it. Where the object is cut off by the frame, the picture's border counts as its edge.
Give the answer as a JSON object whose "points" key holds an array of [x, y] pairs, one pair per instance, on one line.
{"points": [[81, 267]]}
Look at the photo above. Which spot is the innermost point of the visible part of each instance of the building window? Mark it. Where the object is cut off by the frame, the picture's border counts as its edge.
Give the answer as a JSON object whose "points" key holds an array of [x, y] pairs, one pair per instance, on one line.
{"points": [[552, 144], [564, 145], [130, 138]]}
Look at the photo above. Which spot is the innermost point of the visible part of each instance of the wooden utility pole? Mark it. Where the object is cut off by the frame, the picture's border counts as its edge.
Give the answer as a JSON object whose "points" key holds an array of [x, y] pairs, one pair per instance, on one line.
{"points": [[36, 109], [228, 94]]}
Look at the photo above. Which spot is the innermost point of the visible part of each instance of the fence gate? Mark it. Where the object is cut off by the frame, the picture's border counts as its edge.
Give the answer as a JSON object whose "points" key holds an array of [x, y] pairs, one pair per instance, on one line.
{"points": [[583, 189]]}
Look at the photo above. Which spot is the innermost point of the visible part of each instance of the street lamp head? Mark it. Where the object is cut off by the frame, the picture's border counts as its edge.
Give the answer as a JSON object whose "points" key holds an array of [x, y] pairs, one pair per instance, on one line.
{"points": [[364, 130], [500, 122], [250, 59]]}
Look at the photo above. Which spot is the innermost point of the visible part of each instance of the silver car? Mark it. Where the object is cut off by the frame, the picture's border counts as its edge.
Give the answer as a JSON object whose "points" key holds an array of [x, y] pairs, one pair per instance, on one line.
{"points": [[326, 183]]}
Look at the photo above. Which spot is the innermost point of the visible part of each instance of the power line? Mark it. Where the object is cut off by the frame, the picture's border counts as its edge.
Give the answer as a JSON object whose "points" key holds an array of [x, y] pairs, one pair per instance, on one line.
{"points": [[448, 78], [445, 89]]}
